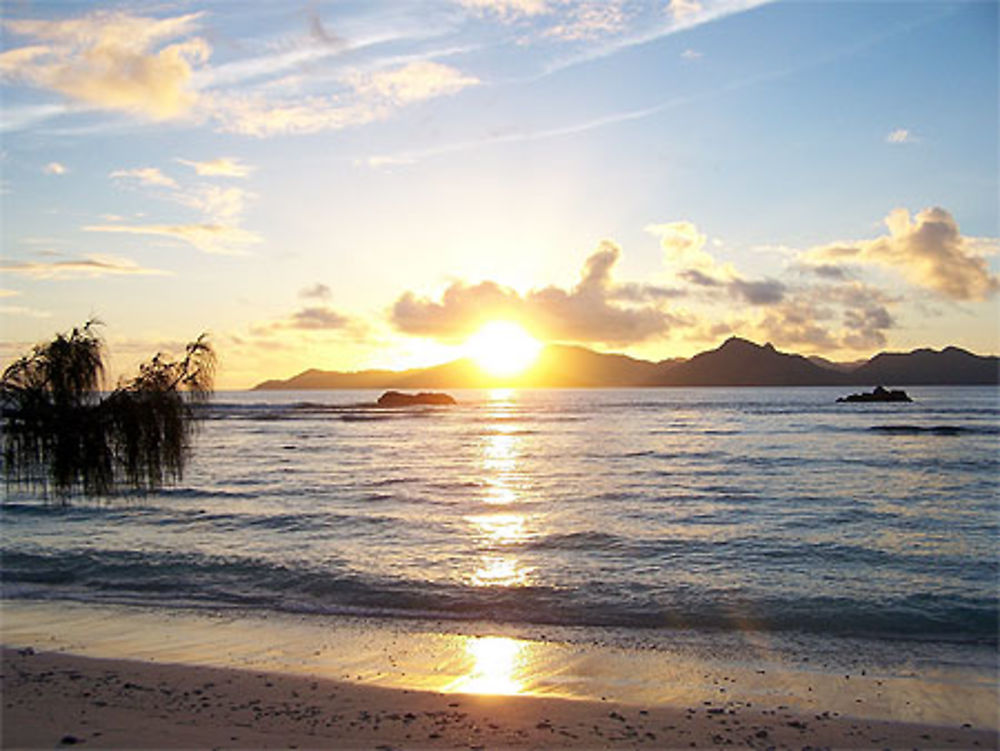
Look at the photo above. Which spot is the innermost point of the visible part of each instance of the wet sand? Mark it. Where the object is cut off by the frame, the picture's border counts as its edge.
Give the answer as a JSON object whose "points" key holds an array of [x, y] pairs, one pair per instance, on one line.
{"points": [[134, 677], [53, 699]]}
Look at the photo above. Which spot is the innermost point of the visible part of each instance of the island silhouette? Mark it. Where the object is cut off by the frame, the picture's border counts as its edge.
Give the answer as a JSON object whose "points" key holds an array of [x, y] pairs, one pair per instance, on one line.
{"points": [[736, 362]]}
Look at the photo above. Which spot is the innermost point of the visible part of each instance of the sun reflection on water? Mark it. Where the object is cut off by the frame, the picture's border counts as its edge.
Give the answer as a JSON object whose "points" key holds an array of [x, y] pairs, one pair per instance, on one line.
{"points": [[501, 571], [501, 529], [501, 469]]}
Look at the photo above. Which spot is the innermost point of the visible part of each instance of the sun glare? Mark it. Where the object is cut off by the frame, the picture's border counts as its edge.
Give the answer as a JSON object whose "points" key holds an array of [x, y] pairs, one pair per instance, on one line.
{"points": [[503, 348]]}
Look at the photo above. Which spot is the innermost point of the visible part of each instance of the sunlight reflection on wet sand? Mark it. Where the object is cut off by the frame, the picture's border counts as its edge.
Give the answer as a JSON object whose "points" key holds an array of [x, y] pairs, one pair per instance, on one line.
{"points": [[497, 666], [401, 655]]}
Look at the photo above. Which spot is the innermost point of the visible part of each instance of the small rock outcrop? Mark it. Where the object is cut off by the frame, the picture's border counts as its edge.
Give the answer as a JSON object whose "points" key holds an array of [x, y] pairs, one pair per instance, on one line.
{"points": [[399, 399], [878, 394]]}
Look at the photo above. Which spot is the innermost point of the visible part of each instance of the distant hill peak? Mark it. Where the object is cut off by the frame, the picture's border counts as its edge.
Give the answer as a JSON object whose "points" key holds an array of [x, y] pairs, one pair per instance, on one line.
{"points": [[735, 362]]}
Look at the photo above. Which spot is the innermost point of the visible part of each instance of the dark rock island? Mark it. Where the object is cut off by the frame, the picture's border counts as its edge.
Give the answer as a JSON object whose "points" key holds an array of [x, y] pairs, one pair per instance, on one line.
{"points": [[399, 399], [878, 394]]}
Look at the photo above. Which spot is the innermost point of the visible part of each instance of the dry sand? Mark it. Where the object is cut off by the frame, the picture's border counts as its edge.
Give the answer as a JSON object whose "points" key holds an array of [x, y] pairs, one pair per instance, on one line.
{"points": [[54, 699]]}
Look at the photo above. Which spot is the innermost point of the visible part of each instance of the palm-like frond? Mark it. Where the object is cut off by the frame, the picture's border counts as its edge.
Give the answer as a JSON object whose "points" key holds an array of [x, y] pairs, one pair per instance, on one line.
{"points": [[61, 435]]}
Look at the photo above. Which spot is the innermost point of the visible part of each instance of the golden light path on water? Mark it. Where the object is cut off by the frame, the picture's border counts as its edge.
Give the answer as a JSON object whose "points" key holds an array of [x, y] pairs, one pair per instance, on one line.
{"points": [[498, 664], [501, 471]]}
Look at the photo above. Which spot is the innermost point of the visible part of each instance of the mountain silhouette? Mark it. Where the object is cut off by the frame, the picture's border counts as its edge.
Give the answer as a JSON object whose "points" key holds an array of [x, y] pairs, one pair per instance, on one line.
{"points": [[736, 362], [739, 362], [950, 366]]}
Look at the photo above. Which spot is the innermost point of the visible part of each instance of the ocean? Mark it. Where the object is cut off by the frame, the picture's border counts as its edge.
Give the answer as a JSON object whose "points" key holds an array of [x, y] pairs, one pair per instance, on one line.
{"points": [[773, 511]]}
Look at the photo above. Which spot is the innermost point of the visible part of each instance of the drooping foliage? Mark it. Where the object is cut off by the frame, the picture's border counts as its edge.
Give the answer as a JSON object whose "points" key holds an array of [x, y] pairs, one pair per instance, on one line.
{"points": [[62, 434]]}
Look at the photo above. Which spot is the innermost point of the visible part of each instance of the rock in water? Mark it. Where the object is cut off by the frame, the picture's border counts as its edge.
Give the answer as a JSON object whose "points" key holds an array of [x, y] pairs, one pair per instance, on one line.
{"points": [[399, 399], [878, 394]]}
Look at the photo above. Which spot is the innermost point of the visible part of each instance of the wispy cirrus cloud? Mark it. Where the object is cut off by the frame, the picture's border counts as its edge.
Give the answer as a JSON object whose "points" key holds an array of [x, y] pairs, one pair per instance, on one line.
{"points": [[215, 239], [221, 209], [681, 9], [590, 20], [89, 266], [158, 68], [371, 96], [145, 176], [508, 8], [221, 204]]}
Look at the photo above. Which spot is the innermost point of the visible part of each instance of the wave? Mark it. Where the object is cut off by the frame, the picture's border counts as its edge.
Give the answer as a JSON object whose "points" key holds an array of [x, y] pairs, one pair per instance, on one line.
{"points": [[229, 582], [936, 429]]}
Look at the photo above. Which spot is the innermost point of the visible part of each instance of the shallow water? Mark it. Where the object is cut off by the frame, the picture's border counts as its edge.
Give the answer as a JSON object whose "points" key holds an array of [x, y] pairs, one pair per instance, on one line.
{"points": [[727, 510]]}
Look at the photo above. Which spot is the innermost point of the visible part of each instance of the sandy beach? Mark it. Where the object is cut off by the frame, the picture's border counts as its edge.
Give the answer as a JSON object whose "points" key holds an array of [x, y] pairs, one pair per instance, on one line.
{"points": [[52, 699], [118, 677]]}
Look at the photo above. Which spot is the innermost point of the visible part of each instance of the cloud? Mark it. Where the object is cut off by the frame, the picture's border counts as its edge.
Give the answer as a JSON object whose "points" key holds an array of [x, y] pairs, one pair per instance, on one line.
{"points": [[928, 250], [589, 20], [9, 293], [221, 167], [216, 239], [900, 135], [20, 310], [316, 291], [829, 271], [146, 176], [684, 9], [54, 168], [684, 248], [690, 54], [683, 244], [797, 323], [866, 328], [317, 318], [508, 8], [379, 161], [762, 292], [222, 205], [89, 266], [589, 312], [699, 278], [371, 97], [840, 316], [414, 82], [111, 60]]}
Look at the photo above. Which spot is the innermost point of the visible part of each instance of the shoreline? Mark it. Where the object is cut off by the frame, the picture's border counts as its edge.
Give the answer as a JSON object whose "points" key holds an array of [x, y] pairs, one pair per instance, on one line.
{"points": [[53, 699], [138, 676]]}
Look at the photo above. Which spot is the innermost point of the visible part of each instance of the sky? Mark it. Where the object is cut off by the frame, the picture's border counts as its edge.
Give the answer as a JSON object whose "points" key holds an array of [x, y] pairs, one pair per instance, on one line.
{"points": [[344, 185]]}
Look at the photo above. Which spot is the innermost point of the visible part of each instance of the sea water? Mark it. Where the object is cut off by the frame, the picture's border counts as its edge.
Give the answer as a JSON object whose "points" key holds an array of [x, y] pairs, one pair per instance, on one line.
{"points": [[647, 511]]}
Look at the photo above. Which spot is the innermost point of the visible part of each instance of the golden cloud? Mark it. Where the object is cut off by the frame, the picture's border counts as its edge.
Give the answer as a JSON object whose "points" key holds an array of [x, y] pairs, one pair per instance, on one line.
{"points": [[928, 250], [592, 311], [110, 60]]}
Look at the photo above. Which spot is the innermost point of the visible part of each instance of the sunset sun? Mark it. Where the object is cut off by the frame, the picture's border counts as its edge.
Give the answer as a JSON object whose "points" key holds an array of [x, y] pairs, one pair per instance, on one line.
{"points": [[503, 348]]}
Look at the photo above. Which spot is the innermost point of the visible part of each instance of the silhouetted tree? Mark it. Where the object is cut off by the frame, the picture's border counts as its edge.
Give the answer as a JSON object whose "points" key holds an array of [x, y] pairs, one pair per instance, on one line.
{"points": [[61, 433]]}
